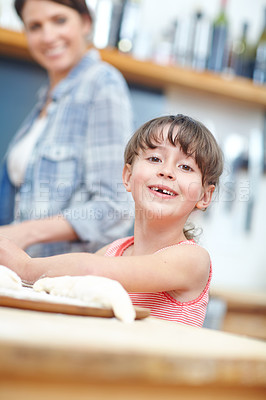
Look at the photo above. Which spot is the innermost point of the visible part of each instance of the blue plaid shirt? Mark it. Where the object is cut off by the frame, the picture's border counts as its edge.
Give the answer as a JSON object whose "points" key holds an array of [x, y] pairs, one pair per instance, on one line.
{"points": [[76, 167]]}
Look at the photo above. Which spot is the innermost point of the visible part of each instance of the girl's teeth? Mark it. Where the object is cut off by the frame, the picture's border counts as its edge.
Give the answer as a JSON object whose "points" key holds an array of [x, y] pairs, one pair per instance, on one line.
{"points": [[167, 192], [163, 191]]}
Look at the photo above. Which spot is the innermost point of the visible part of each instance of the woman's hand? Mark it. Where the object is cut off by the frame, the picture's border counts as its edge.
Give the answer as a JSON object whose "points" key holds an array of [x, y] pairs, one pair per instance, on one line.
{"points": [[16, 233], [27, 233], [15, 258]]}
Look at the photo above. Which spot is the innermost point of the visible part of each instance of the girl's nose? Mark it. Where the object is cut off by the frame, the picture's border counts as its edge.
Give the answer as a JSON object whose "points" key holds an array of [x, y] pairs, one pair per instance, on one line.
{"points": [[166, 173]]}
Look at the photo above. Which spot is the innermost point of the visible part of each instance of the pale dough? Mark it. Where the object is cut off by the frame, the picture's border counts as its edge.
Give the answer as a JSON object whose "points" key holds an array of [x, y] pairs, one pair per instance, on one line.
{"points": [[91, 289], [9, 279]]}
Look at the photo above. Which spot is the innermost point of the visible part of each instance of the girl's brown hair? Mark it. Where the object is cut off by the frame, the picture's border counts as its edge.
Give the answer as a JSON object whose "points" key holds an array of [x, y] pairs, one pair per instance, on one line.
{"points": [[192, 136], [194, 139]]}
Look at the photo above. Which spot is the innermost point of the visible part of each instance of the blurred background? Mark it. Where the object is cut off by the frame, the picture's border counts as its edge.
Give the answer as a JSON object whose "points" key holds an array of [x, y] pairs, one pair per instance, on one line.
{"points": [[223, 39]]}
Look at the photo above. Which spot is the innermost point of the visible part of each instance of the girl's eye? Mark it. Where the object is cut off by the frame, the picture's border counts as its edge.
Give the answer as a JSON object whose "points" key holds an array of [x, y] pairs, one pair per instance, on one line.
{"points": [[185, 167], [154, 159]]}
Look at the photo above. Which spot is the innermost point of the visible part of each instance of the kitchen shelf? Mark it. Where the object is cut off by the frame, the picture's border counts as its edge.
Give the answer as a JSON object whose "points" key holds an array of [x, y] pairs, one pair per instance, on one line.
{"points": [[157, 76]]}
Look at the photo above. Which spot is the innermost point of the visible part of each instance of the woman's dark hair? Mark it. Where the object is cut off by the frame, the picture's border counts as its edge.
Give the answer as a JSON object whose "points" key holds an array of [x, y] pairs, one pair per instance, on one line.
{"points": [[79, 5]]}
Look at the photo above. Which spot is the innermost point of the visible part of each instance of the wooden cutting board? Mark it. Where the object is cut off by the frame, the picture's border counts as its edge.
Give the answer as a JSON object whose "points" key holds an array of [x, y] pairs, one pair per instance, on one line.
{"points": [[63, 308]]}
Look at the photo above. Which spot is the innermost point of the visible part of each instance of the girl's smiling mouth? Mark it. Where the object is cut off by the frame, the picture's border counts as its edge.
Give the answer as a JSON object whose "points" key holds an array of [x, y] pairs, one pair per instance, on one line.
{"points": [[163, 191]]}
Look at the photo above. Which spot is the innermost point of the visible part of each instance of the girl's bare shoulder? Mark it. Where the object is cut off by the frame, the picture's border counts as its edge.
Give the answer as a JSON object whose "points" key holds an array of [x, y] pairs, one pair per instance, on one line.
{"points": [[190, 259]]}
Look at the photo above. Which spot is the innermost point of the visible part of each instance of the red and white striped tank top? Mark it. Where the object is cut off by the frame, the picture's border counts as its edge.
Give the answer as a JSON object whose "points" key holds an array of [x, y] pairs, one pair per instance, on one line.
{"points": [[161, 304]]}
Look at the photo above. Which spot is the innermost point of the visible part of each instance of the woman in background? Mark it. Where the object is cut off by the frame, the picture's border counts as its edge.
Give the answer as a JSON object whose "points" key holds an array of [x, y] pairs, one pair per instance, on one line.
{"points": [[60, 187]]}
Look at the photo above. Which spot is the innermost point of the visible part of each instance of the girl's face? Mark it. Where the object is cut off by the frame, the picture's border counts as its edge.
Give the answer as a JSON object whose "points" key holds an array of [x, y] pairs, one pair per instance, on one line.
{"points": [[166, 182], [56, 36]]}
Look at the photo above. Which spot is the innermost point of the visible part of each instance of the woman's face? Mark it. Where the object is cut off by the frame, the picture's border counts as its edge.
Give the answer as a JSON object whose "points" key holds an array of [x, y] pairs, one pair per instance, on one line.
{"points": [[56, 36]]}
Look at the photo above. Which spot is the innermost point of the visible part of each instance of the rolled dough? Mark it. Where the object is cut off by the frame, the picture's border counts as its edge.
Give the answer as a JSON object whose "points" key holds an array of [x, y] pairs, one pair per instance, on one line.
{"points": [[91, 289]]}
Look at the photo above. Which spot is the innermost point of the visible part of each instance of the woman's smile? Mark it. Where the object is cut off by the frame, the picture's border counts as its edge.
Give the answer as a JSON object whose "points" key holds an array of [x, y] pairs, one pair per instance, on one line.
{"points": [[56, 51]]}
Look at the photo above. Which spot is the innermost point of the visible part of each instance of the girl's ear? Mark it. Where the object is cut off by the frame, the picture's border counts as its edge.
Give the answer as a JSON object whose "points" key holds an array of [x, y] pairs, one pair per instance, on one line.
{"points": [[126, 176], [206, 198]]}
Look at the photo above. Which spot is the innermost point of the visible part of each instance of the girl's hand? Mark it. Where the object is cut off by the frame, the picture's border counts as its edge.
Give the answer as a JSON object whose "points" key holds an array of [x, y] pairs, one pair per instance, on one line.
{"points": [[14, 257]]}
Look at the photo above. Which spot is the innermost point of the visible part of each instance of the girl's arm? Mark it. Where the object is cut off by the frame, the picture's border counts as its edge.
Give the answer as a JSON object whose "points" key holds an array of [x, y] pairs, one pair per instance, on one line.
{"points": [[182, 267]]}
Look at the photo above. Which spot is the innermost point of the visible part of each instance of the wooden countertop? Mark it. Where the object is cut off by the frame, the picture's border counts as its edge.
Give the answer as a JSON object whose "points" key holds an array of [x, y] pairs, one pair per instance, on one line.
{"points": [[241, 299], [158, 76], [245, 311], [39, 351]]}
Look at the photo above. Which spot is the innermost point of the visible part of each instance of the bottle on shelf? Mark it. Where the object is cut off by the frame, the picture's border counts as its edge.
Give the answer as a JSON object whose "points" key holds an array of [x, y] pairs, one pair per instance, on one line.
{"points": [[182, 41], [164, 51], [128, 26], [259, 75], [107, 23], [242, 55], [218, 57], [200, 41]]}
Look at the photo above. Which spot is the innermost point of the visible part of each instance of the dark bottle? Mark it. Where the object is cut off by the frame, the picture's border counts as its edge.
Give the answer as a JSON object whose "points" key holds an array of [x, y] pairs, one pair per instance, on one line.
{"points": [[219, 51], [243, 56], [259, 75]]}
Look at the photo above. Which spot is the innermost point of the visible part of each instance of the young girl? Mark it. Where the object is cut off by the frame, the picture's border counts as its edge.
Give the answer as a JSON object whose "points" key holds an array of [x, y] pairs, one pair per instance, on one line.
{"points": [[172, 166]]}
